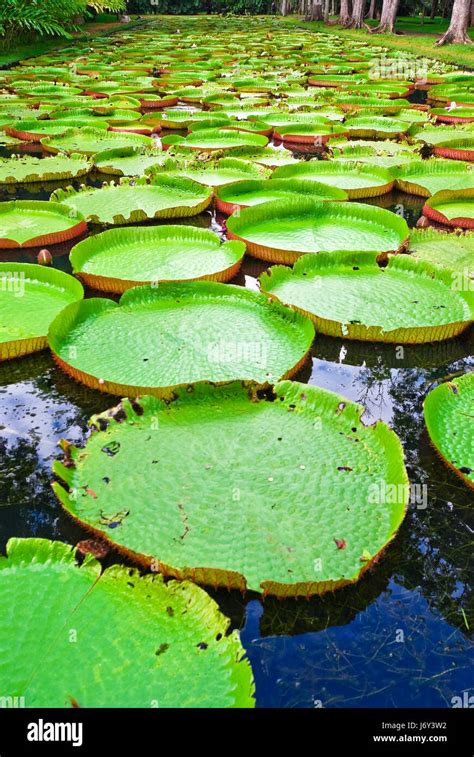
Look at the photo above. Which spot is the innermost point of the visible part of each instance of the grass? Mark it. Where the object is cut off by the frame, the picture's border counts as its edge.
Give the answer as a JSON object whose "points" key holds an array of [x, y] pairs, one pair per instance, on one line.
{"points": [[417, 39]]}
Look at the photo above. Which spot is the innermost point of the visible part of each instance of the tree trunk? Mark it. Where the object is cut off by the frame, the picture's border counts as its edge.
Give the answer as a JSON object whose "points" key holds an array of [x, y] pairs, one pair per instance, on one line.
{"points": [[471, 20], [371, 13], [357, 19], [434, 9], [345, 13], [284, 10], [457, 32], [388, 17], [315, 11]]}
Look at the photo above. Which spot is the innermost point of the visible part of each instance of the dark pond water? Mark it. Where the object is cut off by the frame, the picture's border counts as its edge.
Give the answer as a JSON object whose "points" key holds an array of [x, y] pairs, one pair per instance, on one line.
{"points": [[403, 635]]}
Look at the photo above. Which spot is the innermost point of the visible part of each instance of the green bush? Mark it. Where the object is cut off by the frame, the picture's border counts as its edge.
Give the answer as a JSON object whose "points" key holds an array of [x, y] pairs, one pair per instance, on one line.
{"points": [[23, 18]]}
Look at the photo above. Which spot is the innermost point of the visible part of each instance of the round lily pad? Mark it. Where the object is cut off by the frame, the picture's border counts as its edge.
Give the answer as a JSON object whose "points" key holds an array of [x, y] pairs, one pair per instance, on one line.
{"points": [[90, 140], [426, 177], [250, 193], [118, 259], [219, 173], [352, 296], [128, 161], [454, 208], [27, 168], [449, 414], [282, 230], [326, 495], [216, 139], [375, 127], [31, 296], [357, 179], [453, 115], [32, 223], [264, 156], [313, 134], [164, 644], [36, 130], [371, 156], [179, 333], [129, 202], [453, 251]]}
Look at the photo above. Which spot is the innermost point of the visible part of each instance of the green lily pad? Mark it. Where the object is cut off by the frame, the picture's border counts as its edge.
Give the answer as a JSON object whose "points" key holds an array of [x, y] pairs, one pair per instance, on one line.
{"points": [[455, 208], [89, 141], [372, 157], [32, 223], [179, 333], [216, 139], [358, 180], [173, 649], [35, 131], [31, 296], [128, 161], [27, 168], [443, 135], [264, 156], [375, 127], [453, 251], [426, 177], [251, 193], [449, 414], [352, 296], [132, 202], [118, 259], [313, 133], [283, 230], [347, 500], [453, 115], [220, 173]]}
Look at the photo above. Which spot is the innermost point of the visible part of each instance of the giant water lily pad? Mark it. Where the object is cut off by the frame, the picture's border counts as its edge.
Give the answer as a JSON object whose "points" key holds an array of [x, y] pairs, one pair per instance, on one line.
{"points": [[357, 179], [282, 230], [455, 208], [220, 173], [426, 177], [453, 251], [118, 259], [453, 115], [130, 202], [449, 416], [312, 134], [352, 296], [216, 139], [314, 515], [375, 127], [179, 333], [141, 642], [128, 161], [371, 156], [90, 140], [27, 168], [36, 130], [31, 296], [264, 156], [30, 223], [251, 193]]}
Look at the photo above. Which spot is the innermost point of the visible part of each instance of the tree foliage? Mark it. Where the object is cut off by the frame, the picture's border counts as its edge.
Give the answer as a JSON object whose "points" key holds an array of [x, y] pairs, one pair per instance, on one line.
{"points": [[47, 17]]}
